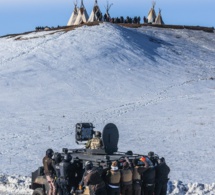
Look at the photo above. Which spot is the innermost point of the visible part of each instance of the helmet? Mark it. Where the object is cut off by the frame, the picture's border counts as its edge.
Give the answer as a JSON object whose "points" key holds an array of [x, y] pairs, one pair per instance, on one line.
{"points": [[129, 152], [125, 165], [162, 159], [67, 157], [151, 154], [88, 165], [49, 152], [98, 134], [57, 157]]}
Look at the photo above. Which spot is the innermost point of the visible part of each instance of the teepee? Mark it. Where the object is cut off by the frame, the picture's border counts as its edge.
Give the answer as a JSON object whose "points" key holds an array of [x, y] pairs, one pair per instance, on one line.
{"points": [[73, 16], [107, 14], [82, 15], [96, 14], [159, 19], [151, 15]]}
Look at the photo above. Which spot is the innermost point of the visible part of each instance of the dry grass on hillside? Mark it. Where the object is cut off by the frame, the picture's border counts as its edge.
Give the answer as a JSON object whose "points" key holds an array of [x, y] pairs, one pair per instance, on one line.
{"points": [[69, 28]]}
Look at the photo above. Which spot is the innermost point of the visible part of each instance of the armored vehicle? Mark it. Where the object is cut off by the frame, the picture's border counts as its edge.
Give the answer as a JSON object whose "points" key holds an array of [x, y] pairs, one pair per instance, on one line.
{"points": [[101, 157]]}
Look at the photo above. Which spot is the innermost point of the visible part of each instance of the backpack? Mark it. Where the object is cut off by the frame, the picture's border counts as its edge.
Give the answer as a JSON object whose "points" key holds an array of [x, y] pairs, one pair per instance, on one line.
{"points": [[95, 177]]}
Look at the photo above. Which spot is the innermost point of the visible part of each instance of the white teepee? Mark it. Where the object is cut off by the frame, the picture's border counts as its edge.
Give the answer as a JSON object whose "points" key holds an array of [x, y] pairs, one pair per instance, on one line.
{"points": [[96, 14], [82, 15], [159, 19], [73, 16], [152, 15]]}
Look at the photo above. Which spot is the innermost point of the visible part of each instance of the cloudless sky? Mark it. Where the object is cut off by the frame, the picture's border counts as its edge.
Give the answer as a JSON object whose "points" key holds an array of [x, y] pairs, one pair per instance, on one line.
{"points": [[17, 16]]}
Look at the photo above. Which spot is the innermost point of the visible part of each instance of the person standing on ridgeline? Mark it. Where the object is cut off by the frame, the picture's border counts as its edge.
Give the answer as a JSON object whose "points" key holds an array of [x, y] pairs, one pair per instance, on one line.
{"points": [[113, 177], [126, 179], [49, 171], [161, 179]]}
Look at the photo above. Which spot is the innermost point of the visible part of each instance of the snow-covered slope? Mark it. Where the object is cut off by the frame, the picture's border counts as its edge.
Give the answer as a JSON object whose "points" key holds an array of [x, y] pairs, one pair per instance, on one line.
{"points": [[157, 86]]}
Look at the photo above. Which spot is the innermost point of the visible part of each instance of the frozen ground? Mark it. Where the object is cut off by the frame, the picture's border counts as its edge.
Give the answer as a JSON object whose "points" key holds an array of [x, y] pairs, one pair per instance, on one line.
{"points": [[156, 85]]}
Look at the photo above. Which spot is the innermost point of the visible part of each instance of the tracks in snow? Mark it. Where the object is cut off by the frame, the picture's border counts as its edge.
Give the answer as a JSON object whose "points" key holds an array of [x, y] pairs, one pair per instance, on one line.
{"points": [[28, 50], [113, 112]]}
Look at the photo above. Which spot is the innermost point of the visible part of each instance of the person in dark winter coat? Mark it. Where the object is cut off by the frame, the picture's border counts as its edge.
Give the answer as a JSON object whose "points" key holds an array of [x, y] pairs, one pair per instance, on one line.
{"points": [[93, 179], [161, 179], [113, 177], [148, 178], [57, 160], [67, 174]]}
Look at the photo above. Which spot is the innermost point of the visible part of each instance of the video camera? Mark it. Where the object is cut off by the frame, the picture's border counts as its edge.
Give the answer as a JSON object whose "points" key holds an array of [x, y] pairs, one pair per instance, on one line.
{"points": [[84, 132]]}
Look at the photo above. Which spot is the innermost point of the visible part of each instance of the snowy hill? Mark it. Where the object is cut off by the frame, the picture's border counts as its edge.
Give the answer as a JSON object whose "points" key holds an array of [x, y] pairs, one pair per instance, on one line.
{"points": [[156, 85]]}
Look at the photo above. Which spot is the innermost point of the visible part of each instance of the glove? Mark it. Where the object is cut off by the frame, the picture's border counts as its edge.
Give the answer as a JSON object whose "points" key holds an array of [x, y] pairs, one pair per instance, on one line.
{"points": [[80, 187]]}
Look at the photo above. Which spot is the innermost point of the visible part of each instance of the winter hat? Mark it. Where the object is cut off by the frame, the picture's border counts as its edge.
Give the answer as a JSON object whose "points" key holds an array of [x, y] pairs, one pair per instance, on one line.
{"points": [[143, 159], [162, 159]]}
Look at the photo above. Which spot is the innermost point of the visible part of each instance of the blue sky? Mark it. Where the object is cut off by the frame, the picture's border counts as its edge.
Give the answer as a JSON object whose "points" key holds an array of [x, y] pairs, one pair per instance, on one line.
{"points": [[24, 15]]}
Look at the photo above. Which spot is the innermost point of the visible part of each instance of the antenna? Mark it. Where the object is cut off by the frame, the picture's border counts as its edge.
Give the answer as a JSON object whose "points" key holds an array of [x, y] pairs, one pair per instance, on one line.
{"points": [[75, 3], [96, 3], [82, 3], [153, 4], [75, 8], [108, 6]]}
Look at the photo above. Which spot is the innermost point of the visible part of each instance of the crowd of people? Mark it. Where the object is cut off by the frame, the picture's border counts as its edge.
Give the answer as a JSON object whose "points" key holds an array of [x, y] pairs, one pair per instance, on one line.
{"points": [[140, 176], [128, 20], [143, 175], [105, 18]]}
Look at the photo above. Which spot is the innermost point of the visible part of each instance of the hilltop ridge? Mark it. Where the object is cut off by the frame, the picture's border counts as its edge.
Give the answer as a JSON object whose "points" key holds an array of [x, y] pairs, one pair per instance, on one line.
{"points": [[69, 28]]}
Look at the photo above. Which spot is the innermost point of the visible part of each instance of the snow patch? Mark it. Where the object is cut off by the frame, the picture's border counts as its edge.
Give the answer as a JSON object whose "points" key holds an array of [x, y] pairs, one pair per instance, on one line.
{"points": [[19, 185]]}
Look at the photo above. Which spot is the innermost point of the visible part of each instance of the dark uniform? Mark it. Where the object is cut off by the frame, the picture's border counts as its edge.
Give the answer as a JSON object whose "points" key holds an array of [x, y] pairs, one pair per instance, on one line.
{"points": [[95, 182], [57, 160], [148, 178], [113, 178], [148, 181], [49, 171], [126, 179], [67, 175], [161, 179]]}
